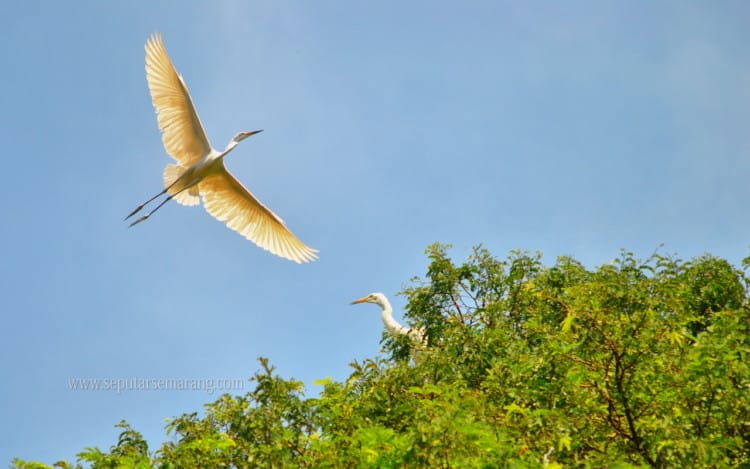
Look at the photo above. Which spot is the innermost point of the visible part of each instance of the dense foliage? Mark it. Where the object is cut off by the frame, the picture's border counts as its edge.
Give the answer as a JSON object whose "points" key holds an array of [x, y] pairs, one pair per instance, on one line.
{"points": [[632, 364]]}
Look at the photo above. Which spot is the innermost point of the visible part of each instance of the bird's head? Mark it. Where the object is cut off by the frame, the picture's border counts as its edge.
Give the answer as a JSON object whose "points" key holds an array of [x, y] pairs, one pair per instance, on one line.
{"points": [[243, 135], [377, 298]]}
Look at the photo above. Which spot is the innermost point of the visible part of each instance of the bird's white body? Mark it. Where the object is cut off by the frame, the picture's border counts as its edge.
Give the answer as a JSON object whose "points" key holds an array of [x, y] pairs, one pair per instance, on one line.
{"points": [[199, 170], [415, 334]]}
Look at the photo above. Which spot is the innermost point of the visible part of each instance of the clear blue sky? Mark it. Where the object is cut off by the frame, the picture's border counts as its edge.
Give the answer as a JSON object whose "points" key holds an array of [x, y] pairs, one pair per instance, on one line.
{"points": [[572, 128]]}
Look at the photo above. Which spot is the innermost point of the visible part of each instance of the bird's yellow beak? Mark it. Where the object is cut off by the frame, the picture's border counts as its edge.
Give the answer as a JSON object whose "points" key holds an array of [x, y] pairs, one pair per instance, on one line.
{"points": [[361, 300]]}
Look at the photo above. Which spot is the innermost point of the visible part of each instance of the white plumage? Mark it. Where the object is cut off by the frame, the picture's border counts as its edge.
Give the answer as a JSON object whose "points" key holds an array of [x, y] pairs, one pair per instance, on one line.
{"points": [[416, 334], [200, 172]]}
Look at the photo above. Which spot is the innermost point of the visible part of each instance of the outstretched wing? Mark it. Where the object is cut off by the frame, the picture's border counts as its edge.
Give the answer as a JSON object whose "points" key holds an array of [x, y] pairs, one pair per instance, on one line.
{"points": [[182, 133], [227, 200]]}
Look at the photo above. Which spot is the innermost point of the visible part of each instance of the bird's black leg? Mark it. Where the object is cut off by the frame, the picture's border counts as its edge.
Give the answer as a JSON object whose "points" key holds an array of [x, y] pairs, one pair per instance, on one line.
{"points": [[140, 207], [144, 217], [170, 197]]}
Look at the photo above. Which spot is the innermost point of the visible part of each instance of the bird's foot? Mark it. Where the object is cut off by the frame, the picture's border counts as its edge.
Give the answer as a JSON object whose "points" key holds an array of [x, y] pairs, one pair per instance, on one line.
{"points": [[139, 220], [137, 209]]}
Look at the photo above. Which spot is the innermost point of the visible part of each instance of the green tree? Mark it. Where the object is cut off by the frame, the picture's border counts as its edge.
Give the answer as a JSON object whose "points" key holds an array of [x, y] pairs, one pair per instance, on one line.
{"points": [[636, 363]]}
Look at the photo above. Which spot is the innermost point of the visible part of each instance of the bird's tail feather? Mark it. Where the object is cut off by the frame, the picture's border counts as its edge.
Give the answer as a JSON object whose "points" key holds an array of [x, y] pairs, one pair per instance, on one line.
{"points": [[185, 197]]}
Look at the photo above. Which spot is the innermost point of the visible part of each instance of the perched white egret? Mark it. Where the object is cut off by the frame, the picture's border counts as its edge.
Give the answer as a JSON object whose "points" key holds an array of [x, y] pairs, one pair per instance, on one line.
{"points": [[200, 170], [416, 334]]}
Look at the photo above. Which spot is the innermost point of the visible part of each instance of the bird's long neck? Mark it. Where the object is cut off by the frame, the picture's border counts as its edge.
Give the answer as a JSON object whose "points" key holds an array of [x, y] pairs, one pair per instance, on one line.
{"points": [[230, 146], [391, 324]]}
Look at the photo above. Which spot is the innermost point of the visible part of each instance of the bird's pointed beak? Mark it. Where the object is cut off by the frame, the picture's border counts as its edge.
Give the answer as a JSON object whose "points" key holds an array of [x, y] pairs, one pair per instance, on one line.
{"points": [[361, 300], [243, 135]]}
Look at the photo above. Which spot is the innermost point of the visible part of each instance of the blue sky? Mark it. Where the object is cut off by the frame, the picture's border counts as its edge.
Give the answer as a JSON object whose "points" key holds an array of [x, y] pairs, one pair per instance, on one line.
{"points": [[571, 128]]}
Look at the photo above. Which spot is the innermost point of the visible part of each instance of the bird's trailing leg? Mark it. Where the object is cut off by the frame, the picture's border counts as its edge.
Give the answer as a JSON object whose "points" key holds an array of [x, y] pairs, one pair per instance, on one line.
{"points": [[140, 207], [144, 217], [170, 197]]}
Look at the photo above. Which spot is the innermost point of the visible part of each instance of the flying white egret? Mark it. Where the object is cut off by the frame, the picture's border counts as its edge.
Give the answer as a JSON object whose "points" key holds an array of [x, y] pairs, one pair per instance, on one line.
{"points": [[200, 170], [416, 334]]}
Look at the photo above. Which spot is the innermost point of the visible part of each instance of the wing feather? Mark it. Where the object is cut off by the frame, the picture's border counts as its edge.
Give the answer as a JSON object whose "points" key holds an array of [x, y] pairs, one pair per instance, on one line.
{"points": [[182, 133], [227, 200]]}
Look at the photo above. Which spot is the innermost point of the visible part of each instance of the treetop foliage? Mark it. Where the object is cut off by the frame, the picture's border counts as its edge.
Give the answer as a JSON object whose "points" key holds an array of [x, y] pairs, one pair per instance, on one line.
{"points": [[636, 363]]}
